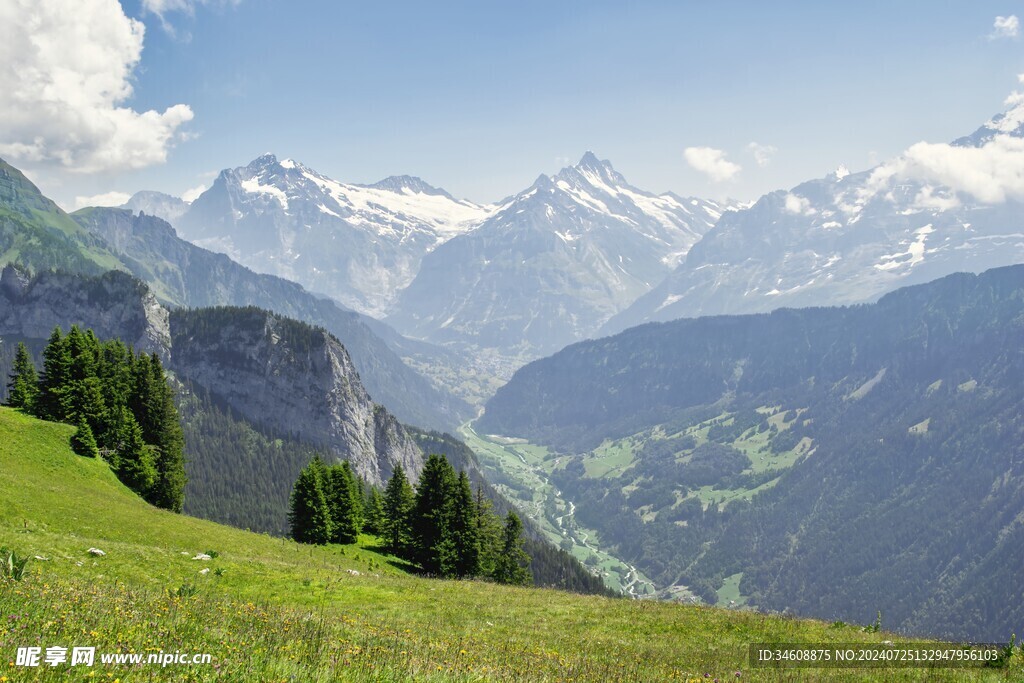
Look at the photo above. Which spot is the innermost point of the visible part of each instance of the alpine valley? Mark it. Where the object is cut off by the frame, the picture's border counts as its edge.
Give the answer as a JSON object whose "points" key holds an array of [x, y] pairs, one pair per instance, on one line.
{"points": [[810, 404]]}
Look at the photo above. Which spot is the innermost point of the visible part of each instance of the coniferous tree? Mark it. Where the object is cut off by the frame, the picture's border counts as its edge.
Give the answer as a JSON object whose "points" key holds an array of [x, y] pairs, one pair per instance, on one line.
{"points": [[83, 442], [168, 490], [431, 516], [22, 389], [127, 404], [85, 402], [144, 399], [309, 516], [55, 380], [489, 531], [342, 500], [115, 372], [82, 349], [462, 535], [399, 501], [512, 560], [373, 513], [135, 461]]}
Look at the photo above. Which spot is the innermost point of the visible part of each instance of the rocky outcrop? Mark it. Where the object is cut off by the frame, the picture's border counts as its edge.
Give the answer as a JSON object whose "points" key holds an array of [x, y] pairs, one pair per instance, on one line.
{"points": [[182, 274], [114, 305], [293, 379]]}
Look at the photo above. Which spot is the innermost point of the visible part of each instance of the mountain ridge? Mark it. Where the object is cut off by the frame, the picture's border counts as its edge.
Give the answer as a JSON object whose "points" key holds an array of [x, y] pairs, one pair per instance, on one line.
{"points": [[842, 239], [551, 264]]}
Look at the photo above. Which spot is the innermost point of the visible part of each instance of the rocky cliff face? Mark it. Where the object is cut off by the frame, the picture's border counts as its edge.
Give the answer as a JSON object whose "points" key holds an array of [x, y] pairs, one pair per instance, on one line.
{"points": [[183, 274], [294, 379], [114, 305], [279, 374]]}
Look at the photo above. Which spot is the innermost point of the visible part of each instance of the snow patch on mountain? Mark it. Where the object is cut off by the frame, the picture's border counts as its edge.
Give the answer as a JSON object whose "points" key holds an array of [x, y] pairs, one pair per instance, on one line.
{"points": [[851, 237]]}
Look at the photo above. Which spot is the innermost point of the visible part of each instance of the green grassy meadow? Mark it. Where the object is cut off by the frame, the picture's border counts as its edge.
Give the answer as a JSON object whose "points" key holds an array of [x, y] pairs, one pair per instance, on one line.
{"points": [[272, 610]]}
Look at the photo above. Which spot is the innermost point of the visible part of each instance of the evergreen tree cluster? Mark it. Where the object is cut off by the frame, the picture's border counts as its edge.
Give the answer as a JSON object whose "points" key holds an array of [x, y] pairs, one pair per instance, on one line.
{"points": [[442, 526], [120, 402]]}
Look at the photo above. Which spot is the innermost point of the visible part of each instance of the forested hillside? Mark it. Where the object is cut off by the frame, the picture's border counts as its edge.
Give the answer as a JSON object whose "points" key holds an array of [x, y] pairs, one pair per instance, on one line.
{"points": [[835, 462]]}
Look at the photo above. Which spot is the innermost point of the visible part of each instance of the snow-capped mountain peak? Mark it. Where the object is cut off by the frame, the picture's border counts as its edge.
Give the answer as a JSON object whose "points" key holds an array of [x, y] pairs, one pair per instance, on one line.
{"points": [[357, 243], [553, 262], [850, 237]]}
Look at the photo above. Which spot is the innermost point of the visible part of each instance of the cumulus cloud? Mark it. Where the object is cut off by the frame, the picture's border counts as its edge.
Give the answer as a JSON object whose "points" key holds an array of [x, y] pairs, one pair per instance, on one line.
{"points": [[1005, 27], [66, 77], [798, 205], [105, 199], [192, 194], [991, 173], [762, 153], [712, 163], [932, 199]]}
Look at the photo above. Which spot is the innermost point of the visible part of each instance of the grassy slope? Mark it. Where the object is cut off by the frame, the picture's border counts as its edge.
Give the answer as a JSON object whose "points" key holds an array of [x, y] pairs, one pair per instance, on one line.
{"points": [[38, 233], [281, 611]]}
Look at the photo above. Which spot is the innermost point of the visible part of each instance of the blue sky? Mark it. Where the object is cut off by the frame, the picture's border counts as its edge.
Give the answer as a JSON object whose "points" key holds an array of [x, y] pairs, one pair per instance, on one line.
{"points": [[481, 97]]}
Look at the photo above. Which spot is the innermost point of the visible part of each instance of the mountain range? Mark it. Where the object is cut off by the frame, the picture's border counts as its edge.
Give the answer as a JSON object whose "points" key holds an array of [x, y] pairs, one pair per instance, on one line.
{"points": [[359, 244], [552, 263], [540, 269], [583, 253], [845, 238]]}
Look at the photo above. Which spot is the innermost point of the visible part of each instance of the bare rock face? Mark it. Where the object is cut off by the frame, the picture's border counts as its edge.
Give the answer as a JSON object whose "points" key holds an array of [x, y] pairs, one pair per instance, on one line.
{"points": [[295, 379], [113, 305]]}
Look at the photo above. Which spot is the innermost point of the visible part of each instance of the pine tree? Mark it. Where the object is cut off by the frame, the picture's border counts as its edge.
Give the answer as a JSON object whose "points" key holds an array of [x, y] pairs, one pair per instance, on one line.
{"points": [[168, 490], [23, 389], [85, 402], [343, 502], [83, 351], [373, 513], [135, 466], [462, 534], [115, 372], [489, 530], [308, 514], [430, 519], [399, 501], [53, 385], [512, 561], [144, 399], [83, 442]]}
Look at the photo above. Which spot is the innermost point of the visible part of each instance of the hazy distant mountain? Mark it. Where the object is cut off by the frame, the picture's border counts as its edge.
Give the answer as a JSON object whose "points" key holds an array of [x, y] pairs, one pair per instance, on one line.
{"points": [[359, 244], [553, 263], [158, 204], [844, 238]]}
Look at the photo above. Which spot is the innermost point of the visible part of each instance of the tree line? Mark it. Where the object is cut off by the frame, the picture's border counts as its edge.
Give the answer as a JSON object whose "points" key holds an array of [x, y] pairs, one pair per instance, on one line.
{"points": [[441, 525], [120, 402]]}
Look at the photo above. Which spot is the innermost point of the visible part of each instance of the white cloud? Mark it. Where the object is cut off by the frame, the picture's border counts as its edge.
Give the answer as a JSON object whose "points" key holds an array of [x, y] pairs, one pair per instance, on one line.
{"points": [[798, 205], [192, 194], [762, 153], [991, 173], [105, 199], [930, 199], [66, 77], [1005, 27], [712, 163]]}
